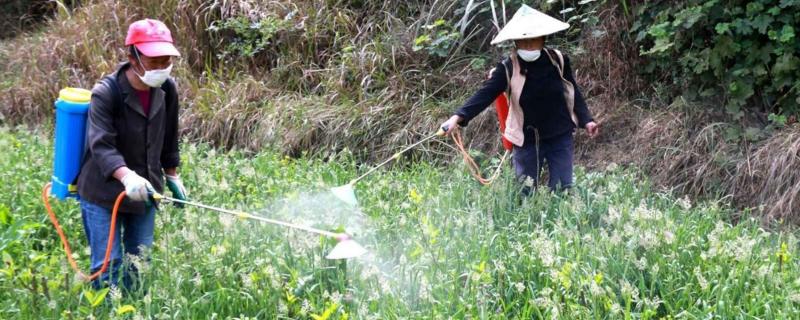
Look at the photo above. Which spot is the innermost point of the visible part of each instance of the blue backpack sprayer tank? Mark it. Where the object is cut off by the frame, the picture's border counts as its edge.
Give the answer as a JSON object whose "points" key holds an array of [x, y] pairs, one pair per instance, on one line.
{"points": [[72, 107]]}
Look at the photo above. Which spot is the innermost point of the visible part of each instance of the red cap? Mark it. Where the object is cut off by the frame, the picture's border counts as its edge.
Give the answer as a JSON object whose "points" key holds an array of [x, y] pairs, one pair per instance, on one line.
{"points": [[152, 38]]}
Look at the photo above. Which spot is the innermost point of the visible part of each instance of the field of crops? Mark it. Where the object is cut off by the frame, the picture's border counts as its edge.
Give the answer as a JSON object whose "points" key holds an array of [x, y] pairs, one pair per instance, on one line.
{"points": [[440, 246]]}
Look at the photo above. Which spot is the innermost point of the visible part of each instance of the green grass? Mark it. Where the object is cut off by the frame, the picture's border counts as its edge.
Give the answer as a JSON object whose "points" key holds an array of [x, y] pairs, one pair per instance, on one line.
{"points": [[440, 246]]}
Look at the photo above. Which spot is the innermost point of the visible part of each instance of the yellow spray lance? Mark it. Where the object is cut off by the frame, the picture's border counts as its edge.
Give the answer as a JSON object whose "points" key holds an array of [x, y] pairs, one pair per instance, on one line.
{"points": [[346, 248]]}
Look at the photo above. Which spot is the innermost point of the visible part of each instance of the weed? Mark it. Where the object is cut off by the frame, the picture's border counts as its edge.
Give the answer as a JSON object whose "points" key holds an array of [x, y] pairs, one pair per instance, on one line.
{"points": [[440, 245]]}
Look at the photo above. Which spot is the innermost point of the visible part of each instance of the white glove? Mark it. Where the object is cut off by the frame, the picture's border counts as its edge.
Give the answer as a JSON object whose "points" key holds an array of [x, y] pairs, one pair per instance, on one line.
{"points": [[136, 187]]}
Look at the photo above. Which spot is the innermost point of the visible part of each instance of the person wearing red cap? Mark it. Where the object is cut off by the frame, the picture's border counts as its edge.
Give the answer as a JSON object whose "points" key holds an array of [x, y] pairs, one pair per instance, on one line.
{"points": [[132, 144]]}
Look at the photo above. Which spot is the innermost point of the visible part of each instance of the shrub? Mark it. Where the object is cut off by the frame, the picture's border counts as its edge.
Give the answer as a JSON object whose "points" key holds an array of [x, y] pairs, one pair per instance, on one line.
{"points": [[743, 51]]}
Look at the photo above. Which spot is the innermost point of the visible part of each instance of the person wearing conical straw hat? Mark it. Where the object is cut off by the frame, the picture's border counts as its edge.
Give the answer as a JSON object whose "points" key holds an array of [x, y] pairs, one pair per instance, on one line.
{"points": [[545, 103]]}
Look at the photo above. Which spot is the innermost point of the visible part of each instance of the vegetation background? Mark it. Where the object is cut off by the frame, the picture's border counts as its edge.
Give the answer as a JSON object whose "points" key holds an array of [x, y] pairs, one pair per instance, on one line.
{"points": [[697, 99], [703, 94]]}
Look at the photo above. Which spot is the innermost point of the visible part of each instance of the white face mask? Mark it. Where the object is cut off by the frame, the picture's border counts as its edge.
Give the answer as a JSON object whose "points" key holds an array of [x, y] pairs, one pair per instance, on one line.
{"points": [[529, 55], [153, 78]]}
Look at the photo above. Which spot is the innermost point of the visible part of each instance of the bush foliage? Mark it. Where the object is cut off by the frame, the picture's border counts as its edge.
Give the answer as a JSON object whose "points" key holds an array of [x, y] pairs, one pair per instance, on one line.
{"points": [[743, 51]]}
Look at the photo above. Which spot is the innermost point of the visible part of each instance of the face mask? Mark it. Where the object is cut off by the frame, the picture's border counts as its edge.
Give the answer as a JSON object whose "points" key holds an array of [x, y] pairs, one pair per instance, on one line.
{"points": [[153, 78], [529, 55]]}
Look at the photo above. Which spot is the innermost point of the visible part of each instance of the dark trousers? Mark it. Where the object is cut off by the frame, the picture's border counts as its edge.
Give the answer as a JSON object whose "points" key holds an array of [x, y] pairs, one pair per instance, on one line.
{"points": [[557, 152]]}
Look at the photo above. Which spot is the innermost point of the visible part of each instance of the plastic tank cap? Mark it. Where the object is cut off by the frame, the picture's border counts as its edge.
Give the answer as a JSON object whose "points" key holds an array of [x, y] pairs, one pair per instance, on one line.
{"points": [[75, 95]]}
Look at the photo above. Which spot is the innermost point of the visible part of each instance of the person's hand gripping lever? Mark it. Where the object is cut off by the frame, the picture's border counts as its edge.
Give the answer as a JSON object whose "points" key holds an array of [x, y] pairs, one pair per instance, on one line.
{"points": [[137, 188], [449, 125]]}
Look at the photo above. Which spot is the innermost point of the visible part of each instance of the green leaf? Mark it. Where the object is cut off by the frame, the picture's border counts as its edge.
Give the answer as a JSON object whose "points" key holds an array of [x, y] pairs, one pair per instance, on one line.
{"points": [[89, 294], [659, 30], [759, 71], [423, 39], [762, 22], [660, 45], [773, 35], [754, 8], [327, 313], [787, 34], [640, 36], [740, 91], [726, 47], [420, 42], [101, 296], [778, 120], [5, 215], [786, 64], [723, 28], [688, 17], [95, 298], [789, 3], [742, 26], [125, 309]]}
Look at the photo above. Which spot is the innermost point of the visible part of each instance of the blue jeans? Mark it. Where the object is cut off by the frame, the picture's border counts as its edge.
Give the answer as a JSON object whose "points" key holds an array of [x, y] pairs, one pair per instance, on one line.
{"points": [[557, 152], [136, 230]]}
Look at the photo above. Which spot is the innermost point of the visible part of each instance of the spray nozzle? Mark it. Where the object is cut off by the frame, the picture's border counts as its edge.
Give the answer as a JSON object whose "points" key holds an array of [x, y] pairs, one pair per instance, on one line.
{"points": [[346, 248]]}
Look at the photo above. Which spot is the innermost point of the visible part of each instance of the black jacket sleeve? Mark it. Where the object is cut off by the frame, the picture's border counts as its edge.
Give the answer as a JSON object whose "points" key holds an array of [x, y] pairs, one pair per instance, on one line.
{"points": [[581, 110], [101, 133], [170, 154], [494, 86]]}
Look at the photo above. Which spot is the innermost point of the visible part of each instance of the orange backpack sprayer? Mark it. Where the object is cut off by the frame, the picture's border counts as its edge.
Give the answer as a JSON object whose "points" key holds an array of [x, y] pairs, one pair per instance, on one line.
{"points": [[72, 107]]}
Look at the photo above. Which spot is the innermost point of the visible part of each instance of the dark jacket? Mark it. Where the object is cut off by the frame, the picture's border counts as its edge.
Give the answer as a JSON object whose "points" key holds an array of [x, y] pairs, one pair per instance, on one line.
{"points": [[542, 99], [121, 135]]}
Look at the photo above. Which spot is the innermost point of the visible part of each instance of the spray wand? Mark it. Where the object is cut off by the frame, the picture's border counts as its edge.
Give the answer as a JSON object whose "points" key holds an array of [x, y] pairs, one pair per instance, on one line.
{"points": [[346, 247], [346, 192]]}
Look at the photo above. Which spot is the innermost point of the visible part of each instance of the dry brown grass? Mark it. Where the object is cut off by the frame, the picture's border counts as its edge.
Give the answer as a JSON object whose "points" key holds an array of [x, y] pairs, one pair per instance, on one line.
{"points": [[684, 151], [79, 47], [768, 177], [306, 93], [607, 66]]}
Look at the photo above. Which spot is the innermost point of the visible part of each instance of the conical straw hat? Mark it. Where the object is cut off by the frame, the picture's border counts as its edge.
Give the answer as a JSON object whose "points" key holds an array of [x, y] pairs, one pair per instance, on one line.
{"points": [[529, 23]]}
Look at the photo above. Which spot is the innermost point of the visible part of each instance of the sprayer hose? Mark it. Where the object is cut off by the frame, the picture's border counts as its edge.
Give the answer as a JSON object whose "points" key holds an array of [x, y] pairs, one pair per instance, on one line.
{"points": [[474, 169], [65, 242]]}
